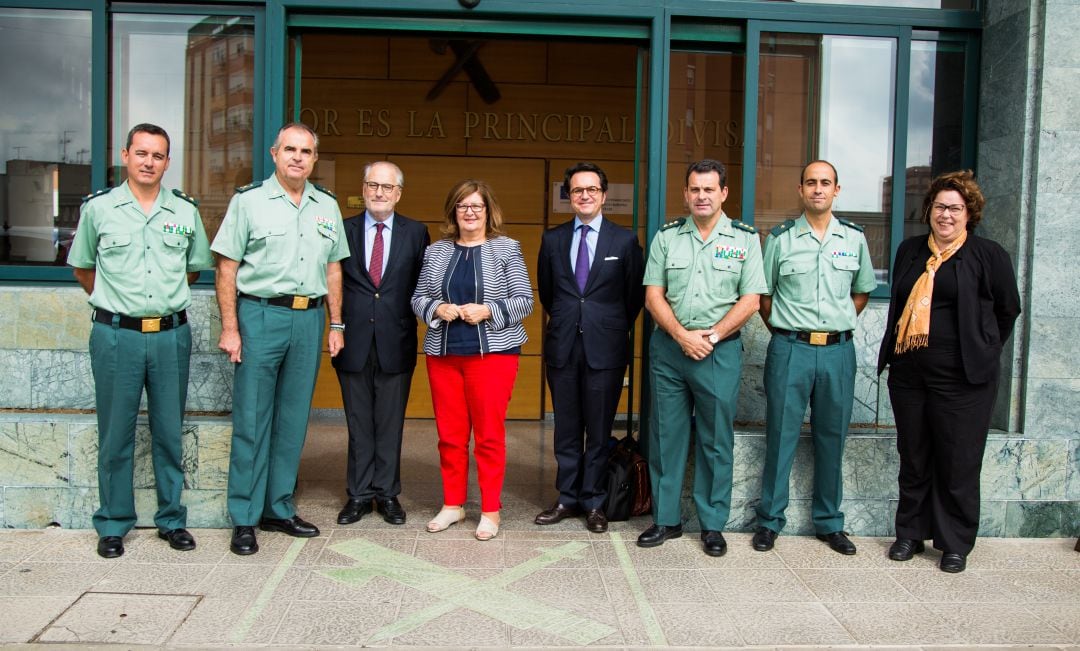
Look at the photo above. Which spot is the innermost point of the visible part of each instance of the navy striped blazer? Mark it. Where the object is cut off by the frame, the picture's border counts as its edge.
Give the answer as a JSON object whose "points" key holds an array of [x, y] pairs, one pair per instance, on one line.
{"points": [[502, 284]]}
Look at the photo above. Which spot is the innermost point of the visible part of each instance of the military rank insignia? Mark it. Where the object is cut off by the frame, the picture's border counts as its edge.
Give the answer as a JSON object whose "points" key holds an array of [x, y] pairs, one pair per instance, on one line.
{"points": [[730, 252], [178, 229], [325, 223]]}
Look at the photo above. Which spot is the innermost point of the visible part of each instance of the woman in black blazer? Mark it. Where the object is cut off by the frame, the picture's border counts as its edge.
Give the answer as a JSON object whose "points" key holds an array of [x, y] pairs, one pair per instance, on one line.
{"points": [[954, 303]]}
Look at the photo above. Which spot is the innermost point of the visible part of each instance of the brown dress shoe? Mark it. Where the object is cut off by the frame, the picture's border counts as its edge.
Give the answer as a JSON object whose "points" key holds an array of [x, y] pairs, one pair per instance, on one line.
{"points": [[557, 513], [596, 521]]}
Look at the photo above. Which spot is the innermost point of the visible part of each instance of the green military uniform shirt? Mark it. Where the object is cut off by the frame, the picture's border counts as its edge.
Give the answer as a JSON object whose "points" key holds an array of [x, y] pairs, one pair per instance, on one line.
{"points": [[282, 249], [141, 261], [811, 281], [704, 278]]}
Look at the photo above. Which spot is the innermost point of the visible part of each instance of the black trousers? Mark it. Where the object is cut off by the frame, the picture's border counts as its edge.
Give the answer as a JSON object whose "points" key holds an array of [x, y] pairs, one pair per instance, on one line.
{"points": [[375, 413], [585, 401], [941, 425]]}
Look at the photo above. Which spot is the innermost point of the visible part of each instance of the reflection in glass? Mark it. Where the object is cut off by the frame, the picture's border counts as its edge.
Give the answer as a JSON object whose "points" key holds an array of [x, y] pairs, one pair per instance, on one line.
{"points": [[935, 123], [195, 77], [44, 132], [916, 4], [705, 109], [827, 97]]}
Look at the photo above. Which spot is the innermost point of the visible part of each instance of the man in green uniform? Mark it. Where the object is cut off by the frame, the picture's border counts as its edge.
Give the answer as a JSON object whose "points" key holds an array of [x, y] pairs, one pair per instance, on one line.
{"points": [[280, 247], [137, 248], [702, 282], [820, 277]]}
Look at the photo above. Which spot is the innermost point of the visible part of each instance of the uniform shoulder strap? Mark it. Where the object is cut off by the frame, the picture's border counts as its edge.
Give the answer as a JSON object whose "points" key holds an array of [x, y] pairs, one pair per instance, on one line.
{"points": [[186, 198], [249, 186], [850, 224], [780, 228]]}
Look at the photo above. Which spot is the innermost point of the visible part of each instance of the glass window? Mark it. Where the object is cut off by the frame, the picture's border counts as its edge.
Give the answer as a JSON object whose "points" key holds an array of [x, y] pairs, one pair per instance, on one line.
{"points": [[827, 97], [705, 109], [194, 76], [44, 132], [935, 123], [915, 4]]}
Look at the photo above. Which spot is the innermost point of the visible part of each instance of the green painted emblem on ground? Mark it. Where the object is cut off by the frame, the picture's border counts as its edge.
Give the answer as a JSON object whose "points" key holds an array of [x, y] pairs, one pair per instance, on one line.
{"points": [[486, 596]]}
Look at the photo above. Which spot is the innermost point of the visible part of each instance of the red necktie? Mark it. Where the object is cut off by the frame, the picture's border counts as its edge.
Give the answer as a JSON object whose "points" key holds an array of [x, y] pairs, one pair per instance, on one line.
{"points": [[375, 267]]}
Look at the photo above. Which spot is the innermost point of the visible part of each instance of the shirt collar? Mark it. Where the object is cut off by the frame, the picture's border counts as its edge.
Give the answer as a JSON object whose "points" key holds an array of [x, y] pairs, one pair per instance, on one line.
{"points": [[274, 189], [802, 227], [594, 225], [163, 200], [369, 221]]}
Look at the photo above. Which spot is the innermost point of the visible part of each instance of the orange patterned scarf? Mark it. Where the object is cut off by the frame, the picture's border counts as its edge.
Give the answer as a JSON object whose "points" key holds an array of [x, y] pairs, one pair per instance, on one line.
{"points": [[913, 328]]}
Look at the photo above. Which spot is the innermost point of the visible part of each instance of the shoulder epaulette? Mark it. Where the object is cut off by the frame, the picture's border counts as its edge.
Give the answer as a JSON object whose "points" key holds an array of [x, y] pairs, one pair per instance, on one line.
{"points": [[96, 194], [249, 186], [186, 198], [678, 222], [850, 224], [780, 228], [321, 188], [743, 226]]}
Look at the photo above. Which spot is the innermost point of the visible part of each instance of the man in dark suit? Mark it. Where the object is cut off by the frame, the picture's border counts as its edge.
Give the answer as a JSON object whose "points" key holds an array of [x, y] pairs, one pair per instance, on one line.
{"points": [[589, 274], [376, 366]]}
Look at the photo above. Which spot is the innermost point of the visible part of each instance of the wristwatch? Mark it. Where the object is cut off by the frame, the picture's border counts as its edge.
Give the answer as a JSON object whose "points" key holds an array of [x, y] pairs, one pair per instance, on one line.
{"points": [[713, 338]]}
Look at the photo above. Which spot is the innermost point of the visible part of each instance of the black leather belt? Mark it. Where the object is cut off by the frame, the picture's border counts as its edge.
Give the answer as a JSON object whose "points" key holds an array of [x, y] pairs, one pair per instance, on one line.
{"points": [[816, 338], [143, 324], [291, 302]]}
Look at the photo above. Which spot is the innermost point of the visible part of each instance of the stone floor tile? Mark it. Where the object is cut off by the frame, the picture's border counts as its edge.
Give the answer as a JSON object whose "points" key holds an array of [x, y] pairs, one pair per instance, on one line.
{"points": [[219, 621], [52, 579], [25, 617], [757, 586], [247, 582], [1006, 554], [557, 586], [455, 628], [697, 625], [998, 624], [331, 557], [325, 585], [211, 546], [17, 546], [448, 552], [894, 623], [79, 546], [685, 586], [808, 551], [680, 553], [120, 619], [853, 585], [332, 622], [937, 586], [740, 555], [787, 623], [1065, 617], [638, 620], [520, 551], [153, 578], [556, 532], [1040, 586]]}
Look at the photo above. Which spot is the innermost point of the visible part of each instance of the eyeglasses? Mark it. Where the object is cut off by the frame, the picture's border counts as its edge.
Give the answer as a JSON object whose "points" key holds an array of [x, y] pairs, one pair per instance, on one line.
{"points": [[954, 210], [466, 207], [387, 188], [592, 191]]}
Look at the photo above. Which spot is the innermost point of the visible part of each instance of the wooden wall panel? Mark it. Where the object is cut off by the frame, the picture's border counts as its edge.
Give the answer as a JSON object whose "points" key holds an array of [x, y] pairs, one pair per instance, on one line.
{"points": [[344, 55], [592, 64], [504, 61]]}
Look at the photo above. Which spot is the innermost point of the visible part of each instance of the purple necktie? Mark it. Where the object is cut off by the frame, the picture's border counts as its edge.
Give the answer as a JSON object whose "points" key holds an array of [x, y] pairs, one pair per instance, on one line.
{"points": [[581, 269], [375, 266]]}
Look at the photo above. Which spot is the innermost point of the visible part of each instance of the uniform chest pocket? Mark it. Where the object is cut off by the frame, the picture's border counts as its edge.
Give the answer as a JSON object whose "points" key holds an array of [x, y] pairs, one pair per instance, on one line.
{"points": [[270, 245], [677, 270], [174, 252], [328, 241], [725, 276], [797, 280], [845, 270], [114, 251]]}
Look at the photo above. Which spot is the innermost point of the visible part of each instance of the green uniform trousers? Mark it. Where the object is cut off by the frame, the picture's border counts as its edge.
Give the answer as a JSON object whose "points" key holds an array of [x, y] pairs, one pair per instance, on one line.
{"points": [[708, 389], [798, 374], [123, 363], [272, 390]]}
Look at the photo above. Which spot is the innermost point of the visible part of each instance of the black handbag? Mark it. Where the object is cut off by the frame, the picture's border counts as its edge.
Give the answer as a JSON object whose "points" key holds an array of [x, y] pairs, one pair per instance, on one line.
{"points": [[627, 481]]}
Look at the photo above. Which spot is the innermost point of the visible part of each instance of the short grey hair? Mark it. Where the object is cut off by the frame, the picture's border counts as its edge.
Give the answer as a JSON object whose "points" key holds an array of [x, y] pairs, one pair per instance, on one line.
{"points": [[397, 171]]}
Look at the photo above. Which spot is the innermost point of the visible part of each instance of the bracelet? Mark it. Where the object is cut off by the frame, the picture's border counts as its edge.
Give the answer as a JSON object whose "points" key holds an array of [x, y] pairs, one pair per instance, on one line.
{"points": [[340, 327]]}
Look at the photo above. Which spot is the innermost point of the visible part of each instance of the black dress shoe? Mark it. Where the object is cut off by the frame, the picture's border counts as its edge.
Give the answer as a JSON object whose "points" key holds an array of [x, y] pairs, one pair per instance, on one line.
{"points": [[390, 509], [243, 541], [557, 513], [353, 511], [596, 521], [714, 543], [763, 539], [838, 542], [293, 526], [904, 548], [655, 535], [953, 563], [179, 539], [110, 547]]}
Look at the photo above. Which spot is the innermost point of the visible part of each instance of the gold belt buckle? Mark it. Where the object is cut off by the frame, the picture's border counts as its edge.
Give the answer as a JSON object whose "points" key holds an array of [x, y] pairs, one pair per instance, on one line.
{"points": [[151, 325], [300, 302], [819, 338]]}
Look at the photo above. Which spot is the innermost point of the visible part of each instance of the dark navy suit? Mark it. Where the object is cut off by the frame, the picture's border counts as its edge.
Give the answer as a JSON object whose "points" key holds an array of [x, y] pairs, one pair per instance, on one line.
{"points": [[586, 349]]}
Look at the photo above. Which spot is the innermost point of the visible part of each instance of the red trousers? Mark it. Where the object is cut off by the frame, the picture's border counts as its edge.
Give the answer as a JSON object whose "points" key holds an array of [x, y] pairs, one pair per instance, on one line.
{"points": [[470, 393]]}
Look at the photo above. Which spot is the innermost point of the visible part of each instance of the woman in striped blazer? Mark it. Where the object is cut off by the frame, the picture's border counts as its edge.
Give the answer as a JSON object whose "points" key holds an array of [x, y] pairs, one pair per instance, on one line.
{"points": [[473, 294]]}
